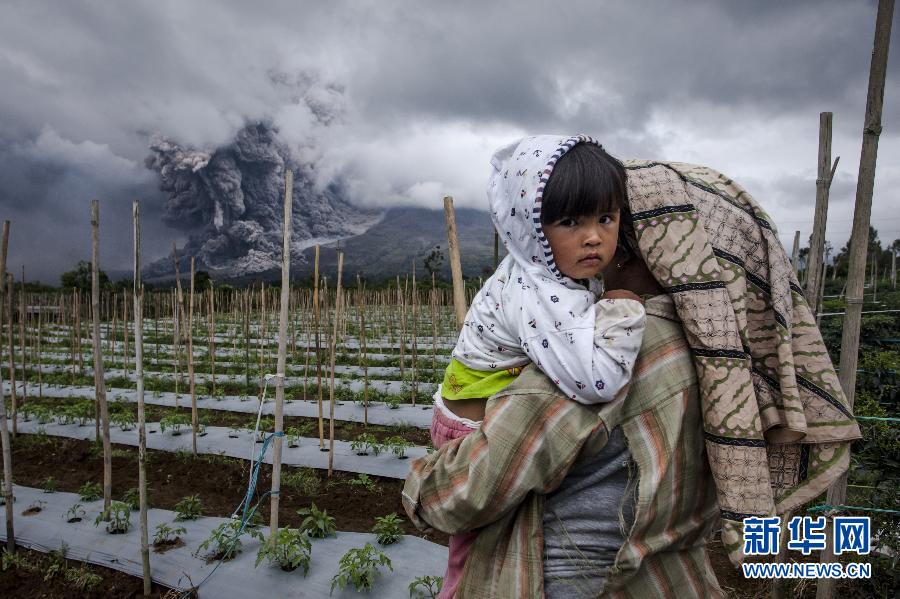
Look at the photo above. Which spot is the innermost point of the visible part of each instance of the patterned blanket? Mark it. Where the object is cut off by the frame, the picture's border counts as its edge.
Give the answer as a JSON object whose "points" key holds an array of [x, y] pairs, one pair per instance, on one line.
{"points": [[777, 424]]}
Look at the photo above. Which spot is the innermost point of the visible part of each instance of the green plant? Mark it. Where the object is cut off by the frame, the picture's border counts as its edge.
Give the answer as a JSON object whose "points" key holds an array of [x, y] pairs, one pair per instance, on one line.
{"points": [[49, 485], [289, 549], [388, 529], [303, 480], [392, 401], [266, 426], [189, 508], [55, 562], [225, 540], [359, 567], [316, 523], [75, 513], [132, 498], [175, 422], [117, 517], [90, 491], [363, 443], [292, 436], [82, 578], [431, 587], [167, 535], [364, 481], [124, 420], [398, 445]]}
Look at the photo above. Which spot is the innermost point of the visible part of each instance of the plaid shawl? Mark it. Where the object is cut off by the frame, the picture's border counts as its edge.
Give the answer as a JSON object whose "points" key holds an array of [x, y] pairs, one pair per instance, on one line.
{"points": [[777, 424]]}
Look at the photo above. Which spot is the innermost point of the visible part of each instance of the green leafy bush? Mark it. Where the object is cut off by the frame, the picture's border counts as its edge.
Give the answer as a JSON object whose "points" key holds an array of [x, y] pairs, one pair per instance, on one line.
{"points": [[175, 422], [167, 535], [225, 541]]}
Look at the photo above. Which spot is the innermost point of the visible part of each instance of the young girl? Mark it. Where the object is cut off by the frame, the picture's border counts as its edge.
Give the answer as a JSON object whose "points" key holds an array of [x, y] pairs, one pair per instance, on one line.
{"points": [[557, 203]]}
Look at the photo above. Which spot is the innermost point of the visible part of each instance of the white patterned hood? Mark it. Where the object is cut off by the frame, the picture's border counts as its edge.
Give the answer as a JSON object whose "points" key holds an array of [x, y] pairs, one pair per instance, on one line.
{"points": [[528, 311]]}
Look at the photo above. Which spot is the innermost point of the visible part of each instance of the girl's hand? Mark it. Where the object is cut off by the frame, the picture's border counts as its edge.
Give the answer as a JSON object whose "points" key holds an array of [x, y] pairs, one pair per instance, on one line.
{"points": [[621, 294]]}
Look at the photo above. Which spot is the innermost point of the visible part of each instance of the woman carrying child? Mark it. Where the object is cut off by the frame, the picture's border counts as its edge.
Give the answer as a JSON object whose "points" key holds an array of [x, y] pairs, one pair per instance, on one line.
{"points": [[733, 410]]}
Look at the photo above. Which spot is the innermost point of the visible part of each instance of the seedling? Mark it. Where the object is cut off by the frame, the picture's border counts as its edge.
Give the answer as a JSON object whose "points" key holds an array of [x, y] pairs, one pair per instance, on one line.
{"points": [[117, 518], [189, 508], [132, 498], [90, 491], [49, 485], [398, 446], [82, 578], [317, 523], [289, 549], [225, 540], [430, 587], [124, 420], [293, 437], [360, 567], [363, 481], [175, 422], [388, 529], [75, 514], [304, 481], [35, 508], [363, 444], [166, 536]]}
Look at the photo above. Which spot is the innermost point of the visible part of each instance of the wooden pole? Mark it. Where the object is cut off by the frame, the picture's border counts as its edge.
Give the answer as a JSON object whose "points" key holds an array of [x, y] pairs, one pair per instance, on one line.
{"points": [[23, 314], [99, 380], [415, 332], [814, 275], [178, 309], [795, 256], [12, 353], [337, 319], [316, 317], [139, 375], [4, 432], [190, 333], [282, 348], [363, 354], [459, 290], [859, 243]]}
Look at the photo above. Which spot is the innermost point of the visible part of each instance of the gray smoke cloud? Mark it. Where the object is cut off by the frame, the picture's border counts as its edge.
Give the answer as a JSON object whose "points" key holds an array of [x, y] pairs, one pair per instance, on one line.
{"points": [[230, 202]]}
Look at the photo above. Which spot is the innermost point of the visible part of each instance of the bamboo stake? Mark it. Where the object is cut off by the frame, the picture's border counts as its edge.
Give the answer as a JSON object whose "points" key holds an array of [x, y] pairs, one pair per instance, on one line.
{"points": [[12, 353], [282, 349], [178, 308], [125, 329], [415, 332], [401, 303], [99, 380], [859, 242], [212, 338], [459, 290], [23, 314], [363, 354], [316, 317], [4, 432], [814, 264], [78, 346], [139, 375], [337, 319], [40, 363], [190, 334]]}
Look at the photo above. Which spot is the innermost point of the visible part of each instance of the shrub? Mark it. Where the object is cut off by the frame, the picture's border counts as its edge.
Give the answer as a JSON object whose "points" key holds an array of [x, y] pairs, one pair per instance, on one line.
{"points": [[387, 529], [189, 508], [49, 485], [360, 566], [316, 523], [363, 444], [289, 549], [398, 445]]}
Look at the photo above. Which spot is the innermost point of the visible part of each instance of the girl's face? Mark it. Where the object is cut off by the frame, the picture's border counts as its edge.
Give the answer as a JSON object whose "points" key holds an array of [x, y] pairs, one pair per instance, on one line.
{"points": [[583, 246]]}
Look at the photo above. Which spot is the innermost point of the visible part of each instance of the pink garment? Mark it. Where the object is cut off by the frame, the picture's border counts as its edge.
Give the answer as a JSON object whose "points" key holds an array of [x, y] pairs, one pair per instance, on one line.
{"points": [[444, 429]]}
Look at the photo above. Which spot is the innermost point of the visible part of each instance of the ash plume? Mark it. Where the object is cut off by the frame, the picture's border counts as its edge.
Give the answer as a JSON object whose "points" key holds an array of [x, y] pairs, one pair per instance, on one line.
{"points": [[230, 202]]}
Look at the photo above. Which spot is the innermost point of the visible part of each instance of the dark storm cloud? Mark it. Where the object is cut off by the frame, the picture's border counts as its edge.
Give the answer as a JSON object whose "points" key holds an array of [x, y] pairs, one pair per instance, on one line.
{"points": [[402, 104]]}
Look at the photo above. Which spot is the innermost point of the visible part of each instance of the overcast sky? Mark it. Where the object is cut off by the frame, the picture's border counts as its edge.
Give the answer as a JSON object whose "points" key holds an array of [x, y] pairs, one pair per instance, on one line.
{"points": [[420, 94]]}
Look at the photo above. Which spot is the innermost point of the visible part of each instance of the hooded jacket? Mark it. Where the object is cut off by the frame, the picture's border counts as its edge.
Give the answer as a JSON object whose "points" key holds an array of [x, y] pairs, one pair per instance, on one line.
{"points": [[528, 311]]}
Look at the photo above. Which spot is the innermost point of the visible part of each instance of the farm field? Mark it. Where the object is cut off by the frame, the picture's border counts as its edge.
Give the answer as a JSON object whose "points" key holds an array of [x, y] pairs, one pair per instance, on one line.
{"points": [[388, 354]]}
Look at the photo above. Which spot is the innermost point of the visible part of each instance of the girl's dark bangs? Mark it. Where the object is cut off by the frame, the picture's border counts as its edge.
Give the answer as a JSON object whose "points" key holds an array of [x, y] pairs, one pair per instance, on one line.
{"points": [[586, 180]]}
